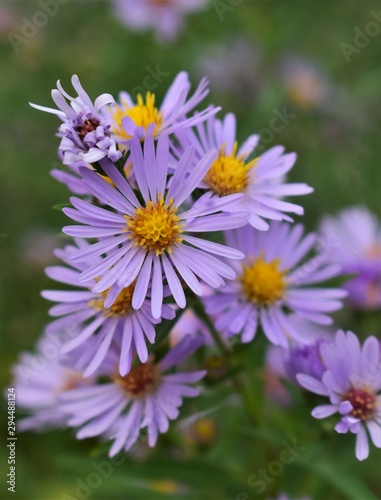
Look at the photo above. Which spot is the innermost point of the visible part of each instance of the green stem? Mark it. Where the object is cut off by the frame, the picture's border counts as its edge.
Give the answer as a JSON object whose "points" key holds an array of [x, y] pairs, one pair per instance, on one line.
{"points": [[227, 353], [200, 312]]}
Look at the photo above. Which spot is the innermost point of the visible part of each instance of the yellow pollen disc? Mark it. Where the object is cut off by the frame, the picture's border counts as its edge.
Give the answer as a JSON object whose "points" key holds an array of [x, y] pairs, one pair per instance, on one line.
{"points": [[121, 307], [142, 114], [262, 282], [155, 227], [229, 174], [141, 380]]}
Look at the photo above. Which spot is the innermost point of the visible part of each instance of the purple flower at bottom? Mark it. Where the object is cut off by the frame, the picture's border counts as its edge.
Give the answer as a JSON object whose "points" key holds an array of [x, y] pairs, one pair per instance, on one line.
{"points": [[353, 241], [85, 133], [352, 382], [146, 397]]}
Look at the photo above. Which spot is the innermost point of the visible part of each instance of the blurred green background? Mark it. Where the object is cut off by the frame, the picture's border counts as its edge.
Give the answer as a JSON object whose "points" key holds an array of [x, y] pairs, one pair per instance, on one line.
{"points": [[263, 56]]}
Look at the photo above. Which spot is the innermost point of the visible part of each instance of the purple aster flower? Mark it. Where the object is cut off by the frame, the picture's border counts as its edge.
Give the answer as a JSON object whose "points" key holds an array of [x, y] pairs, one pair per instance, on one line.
{"points": [[85, 133], [260, 179], [354, 243], [271, 283], [300, 357], [304, 359], [39, 379], [147, 241], [352, 381], [142, 118], [146, 397], [165, 17], [99, 326]]}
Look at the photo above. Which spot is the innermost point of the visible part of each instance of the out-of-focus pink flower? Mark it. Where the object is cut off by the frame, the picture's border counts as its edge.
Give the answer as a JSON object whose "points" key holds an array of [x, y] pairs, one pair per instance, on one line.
{"points": [[306, 85], [165, 17]]}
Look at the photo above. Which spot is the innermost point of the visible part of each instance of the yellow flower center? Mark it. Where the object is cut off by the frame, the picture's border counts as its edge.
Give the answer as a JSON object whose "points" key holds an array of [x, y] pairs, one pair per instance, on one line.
{"points": [[229, 174], [142, 114], [139, 381], [122, 305], [155, 227], [262, 282]]}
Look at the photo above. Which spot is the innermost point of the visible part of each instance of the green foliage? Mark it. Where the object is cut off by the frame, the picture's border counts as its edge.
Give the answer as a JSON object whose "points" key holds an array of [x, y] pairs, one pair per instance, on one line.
{"points": [[338, 150]]}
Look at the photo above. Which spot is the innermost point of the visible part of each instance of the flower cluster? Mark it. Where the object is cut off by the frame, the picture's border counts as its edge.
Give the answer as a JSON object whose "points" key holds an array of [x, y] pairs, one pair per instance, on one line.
{"points": [[169, 207]]}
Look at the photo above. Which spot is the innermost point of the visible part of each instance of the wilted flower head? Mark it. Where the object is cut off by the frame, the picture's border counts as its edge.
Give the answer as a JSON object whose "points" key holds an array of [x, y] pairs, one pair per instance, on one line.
{"points": [[165, 17], [85, 133], [272, 282], [354, 239], [352, 382], [260, 180], [146, 397]]}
